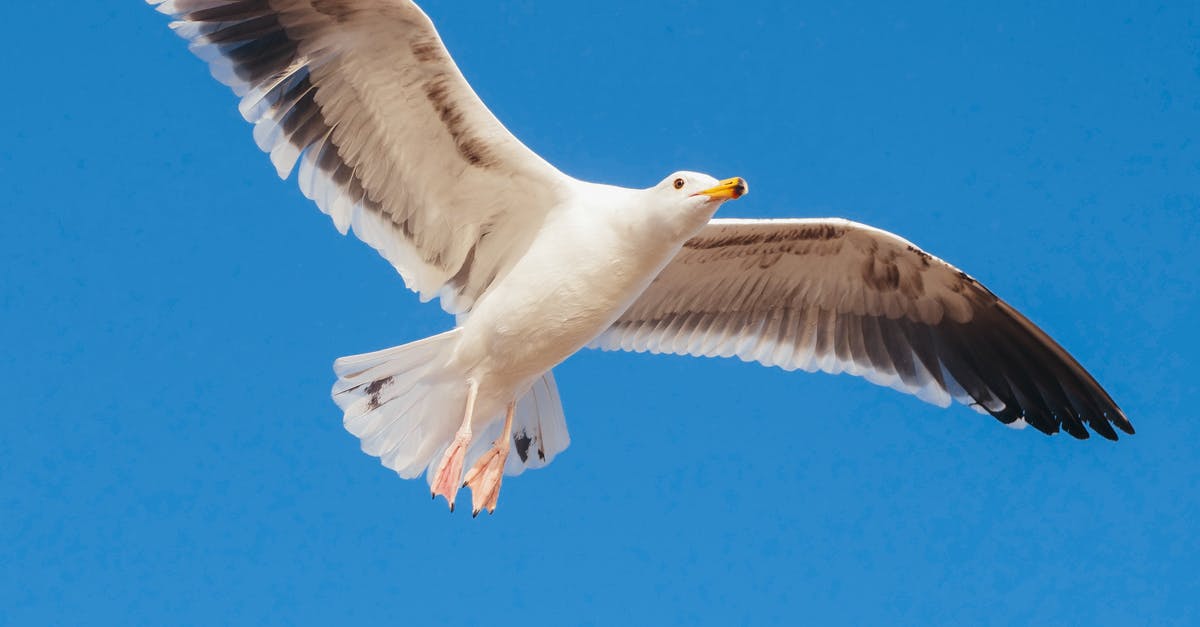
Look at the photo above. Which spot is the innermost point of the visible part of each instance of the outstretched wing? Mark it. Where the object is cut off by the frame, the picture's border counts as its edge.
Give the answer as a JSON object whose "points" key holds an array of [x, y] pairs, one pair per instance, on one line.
{"points": [[837, 296], [389, 137]]}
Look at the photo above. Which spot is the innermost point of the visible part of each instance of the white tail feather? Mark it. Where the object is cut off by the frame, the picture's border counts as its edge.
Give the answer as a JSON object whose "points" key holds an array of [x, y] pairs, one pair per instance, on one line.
{"points": [[405, 409], [539, 430], [399, 402]]}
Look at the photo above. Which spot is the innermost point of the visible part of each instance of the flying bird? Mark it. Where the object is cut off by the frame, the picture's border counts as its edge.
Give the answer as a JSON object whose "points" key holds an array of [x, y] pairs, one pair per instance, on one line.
{"points": [[362, 97]]}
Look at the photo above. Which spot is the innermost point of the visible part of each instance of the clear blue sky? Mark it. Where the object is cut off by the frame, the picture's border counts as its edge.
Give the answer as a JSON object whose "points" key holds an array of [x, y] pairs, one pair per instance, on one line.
{"points": [[169, 311]]}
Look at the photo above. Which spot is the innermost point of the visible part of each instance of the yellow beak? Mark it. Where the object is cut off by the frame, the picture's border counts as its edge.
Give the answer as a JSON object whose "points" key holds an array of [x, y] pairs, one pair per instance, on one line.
{"points": [[729, 189]]}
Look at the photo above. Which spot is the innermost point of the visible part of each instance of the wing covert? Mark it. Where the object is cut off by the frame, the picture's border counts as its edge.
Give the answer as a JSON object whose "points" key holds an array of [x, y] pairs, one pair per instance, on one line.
{"points": [[836, 296], [389, 137]]}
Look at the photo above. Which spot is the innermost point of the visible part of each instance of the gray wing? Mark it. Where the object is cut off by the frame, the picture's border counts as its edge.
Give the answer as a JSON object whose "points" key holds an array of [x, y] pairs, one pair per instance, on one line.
{"points": [[389, 137], [837, 296]]}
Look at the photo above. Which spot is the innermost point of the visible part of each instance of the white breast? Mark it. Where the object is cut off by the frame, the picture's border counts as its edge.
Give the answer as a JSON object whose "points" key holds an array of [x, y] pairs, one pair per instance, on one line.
{"points": [[588, 263]]}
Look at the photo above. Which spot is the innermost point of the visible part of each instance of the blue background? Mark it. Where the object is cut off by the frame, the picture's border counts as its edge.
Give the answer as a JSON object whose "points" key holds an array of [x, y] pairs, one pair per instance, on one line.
{"points": [[169, 311]]}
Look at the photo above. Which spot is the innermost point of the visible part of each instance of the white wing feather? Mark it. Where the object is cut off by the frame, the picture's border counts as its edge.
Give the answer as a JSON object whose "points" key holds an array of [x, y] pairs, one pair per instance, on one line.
{"points": [[836, 296], [390, 139]]}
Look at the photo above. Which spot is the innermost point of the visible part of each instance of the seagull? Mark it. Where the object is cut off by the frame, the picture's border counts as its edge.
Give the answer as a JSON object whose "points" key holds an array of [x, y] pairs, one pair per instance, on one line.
{"points": [[363, 99]]}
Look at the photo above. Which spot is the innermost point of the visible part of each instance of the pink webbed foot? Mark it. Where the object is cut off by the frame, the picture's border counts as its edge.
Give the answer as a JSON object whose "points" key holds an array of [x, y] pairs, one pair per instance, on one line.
{"points": [[485, 476], [448, 475]]}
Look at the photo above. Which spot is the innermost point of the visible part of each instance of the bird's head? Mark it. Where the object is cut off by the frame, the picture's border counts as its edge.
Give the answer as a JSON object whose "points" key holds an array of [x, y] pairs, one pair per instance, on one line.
{"points": [[700, 191], [684, 201]]}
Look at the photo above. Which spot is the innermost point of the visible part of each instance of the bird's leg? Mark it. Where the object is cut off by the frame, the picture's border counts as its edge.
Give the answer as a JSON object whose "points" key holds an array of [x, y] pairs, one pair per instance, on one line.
{"points": [[448, 475], [485, 476]]}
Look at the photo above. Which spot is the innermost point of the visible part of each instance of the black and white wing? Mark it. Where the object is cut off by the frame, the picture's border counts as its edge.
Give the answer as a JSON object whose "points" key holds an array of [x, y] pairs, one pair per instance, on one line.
{"points": [[389, 137], [837, 296]]}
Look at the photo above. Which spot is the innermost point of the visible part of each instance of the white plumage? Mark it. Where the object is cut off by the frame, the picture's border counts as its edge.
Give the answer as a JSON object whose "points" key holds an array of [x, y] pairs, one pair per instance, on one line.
{"points": [[391, 142]]}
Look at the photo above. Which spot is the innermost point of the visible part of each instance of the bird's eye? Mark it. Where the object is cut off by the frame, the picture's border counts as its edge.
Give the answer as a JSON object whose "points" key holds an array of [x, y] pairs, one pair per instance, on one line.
{"points": [[679, 183]]}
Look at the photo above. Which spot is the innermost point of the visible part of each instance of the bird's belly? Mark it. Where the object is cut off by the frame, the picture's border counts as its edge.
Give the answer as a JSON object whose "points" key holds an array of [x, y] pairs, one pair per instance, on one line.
{"points": [[553, 303], [556, 320]]}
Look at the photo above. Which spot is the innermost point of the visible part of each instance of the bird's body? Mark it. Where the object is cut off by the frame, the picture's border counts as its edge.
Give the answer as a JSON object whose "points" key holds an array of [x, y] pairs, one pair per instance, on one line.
{"points": [[543, 310], [362, 98]]}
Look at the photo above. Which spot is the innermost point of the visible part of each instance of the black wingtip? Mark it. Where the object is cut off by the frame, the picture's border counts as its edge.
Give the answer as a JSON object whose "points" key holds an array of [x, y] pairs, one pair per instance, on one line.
{"points": [[1032, 375], [1077, 430], [1121, 421], [1102, 426]]}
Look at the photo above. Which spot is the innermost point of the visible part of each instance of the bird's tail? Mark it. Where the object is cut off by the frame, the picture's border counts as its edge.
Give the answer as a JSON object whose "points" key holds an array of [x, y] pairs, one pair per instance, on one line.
{"points": [[401, 403], [539, 430], [405, 408]]}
